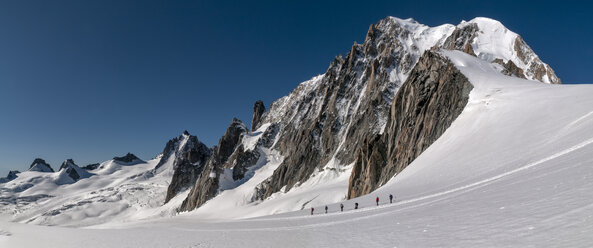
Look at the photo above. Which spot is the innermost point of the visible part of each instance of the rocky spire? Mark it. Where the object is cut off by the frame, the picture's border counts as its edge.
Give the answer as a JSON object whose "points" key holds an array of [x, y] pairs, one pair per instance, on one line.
{"points": [[258, 110], [207, 184], [189, 156]]}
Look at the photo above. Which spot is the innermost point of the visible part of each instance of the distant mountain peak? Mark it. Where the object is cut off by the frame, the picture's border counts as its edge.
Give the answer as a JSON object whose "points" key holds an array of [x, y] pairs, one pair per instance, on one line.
{"points": [[40, 165], [128, 158]]}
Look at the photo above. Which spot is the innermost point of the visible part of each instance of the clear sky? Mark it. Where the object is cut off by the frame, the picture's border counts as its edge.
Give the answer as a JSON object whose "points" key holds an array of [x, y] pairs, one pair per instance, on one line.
{"points": [[90, 80]]}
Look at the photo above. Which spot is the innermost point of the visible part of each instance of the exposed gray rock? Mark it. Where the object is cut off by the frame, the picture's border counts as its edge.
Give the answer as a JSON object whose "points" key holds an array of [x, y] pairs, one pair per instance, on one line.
{"points": [[91, 166], [11, 176], [258, 110], [510, 69], [206, 186], [73, 171], [461, 39], [428, 102], [40, 165], [190, 156], [68, 166], [538, 69], [128, 159], [242, 159]]}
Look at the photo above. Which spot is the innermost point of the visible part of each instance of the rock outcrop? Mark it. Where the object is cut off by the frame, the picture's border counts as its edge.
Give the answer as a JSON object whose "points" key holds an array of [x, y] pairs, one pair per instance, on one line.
{"points": [[206, 186], [461, 39], [536, 69], [13, 174], [428, 102], [188, 156], [258, 110], [40, 165], [129, 159], [91, 166], [73, 171], [243, 158]]}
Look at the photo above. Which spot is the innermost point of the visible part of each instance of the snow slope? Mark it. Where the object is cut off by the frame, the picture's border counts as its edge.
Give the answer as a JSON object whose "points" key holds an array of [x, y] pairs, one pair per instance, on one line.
{"points": [[114, 192], [514, 170]]}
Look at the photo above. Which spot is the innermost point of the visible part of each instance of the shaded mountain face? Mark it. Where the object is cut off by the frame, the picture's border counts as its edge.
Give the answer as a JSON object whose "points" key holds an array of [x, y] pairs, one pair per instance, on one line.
{"points": [[91, 166], [129, 158], [40, 165], [428, 102], [73, 171], [258, 110], [206, 185], [11, 176], [185, 156], [343, 115]]}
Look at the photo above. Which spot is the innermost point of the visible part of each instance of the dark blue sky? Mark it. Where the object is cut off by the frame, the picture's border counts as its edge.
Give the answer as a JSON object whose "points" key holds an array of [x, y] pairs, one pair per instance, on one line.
{"points": [[89, 80]]}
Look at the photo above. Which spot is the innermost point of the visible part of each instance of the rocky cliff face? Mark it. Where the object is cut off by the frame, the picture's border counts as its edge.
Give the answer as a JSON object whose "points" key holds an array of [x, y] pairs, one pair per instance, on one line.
{"points": [[206, 185], [185, 156], [329, 116], [433, 96], [258, 111]]}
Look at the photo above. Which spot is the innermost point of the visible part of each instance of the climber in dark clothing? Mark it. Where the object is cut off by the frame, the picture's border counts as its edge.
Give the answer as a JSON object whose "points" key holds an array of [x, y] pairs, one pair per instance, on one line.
{"points": [[326, 209], [356, 205], [377, 201], [390, 198], [312, 209], [341, 207]]}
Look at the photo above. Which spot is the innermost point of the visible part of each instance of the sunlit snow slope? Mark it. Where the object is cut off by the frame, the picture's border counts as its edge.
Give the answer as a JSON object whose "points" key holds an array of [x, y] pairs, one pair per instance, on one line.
{"points": [[514, 169]]}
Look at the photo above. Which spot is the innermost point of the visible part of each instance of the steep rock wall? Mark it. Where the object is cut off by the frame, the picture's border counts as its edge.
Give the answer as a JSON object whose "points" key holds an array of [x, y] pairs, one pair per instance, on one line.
{"points": [[424, 107]]}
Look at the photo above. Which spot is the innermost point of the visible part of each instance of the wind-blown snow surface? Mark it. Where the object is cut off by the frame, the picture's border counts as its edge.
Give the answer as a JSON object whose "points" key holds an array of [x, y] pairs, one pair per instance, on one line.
{"points": [[515, 169]]}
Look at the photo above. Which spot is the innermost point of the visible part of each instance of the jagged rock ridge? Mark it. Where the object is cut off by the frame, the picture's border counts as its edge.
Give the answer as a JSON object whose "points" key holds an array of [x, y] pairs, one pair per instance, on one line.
{"points": [[258, 110], [206, 185], [188, 156], [329, 117]]}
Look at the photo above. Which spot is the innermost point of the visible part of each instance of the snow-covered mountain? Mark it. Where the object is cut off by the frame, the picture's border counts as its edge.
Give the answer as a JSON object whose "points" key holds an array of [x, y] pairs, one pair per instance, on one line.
{"points": [[342, 134], [324, 122], [72, 170], [512, 170], [40, 165]]}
